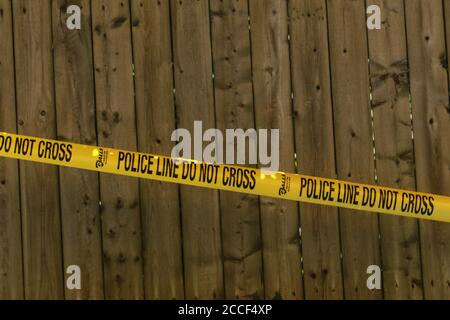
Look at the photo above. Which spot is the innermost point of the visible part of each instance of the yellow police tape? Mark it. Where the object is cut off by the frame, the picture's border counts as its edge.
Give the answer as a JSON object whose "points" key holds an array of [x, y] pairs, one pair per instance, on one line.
{"points": [[227, 177]]}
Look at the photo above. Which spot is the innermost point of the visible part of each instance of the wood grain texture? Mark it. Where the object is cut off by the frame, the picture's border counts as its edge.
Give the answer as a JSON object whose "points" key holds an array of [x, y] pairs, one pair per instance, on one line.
{"points": [[402, 274], [41, 225], [203, 267], [242, 252], [156, 120], [315, 145], [138, 69], [116, 122], [353, 136], [431, 122], [273, 110], [75, 109], [11, 267]]}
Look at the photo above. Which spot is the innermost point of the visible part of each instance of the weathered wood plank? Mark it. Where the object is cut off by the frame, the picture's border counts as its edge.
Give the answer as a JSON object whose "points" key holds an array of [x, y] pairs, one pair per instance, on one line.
{"points": [[11, 268], [242, 252], [389, 77], [156, 120], [273, 110], [315, 145], [116, 121], [75, 109], [353, 136], [431, 122], [39, 186], [203, 268]]}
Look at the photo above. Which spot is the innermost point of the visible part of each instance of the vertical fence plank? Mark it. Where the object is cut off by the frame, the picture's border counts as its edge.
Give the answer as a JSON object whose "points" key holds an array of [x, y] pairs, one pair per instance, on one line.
{"points": [[75, 109], [234, 109], [11, 268], [353, 136], [400, 243], [156, 121], [122, 254], [271, 79], [431, 122], [315, 145], [39, 183], [203, 267]]}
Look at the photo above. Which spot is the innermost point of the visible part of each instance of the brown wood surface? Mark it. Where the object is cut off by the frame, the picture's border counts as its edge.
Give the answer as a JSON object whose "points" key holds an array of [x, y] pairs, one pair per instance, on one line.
{"points": [[313, 119], [202, 247], [11, 267], [368, 106], [400, 245], [241, 235], [353, 136], [431, 122], [273, 110], [75, 109], [41, 221], [116, 122], [156, 120]]}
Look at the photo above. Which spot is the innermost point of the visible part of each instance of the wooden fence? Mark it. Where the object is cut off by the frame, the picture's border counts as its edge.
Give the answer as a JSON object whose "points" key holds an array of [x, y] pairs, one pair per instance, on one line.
{"points": [[359, 105]]}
